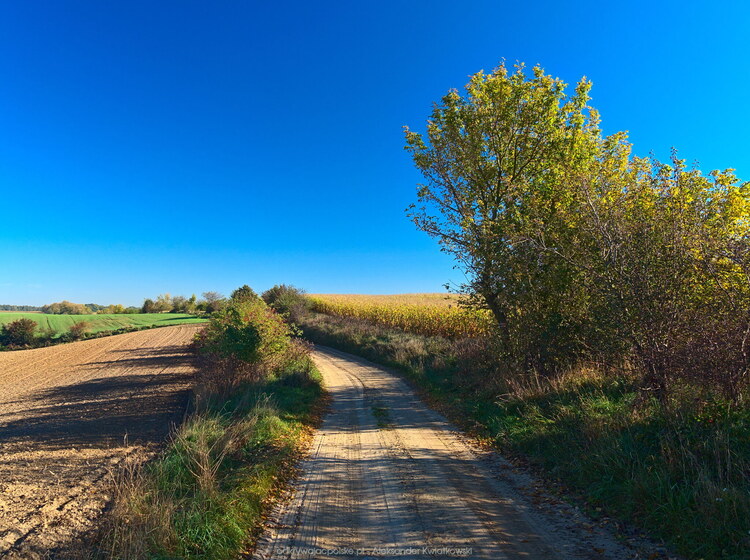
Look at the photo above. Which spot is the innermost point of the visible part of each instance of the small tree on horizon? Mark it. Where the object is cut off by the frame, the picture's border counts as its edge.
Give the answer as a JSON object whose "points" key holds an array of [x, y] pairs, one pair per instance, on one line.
{"points": [[214, 301], [148, 306]]}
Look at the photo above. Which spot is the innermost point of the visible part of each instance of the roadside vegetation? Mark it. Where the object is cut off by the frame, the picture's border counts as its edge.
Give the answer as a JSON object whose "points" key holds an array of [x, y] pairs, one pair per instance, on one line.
{"points": [[679, 475], [618, 289], [256, 399]]}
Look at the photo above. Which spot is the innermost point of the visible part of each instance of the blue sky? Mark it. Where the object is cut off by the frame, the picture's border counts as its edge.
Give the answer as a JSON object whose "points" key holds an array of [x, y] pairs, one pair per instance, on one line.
{"points": [[150, 147]]}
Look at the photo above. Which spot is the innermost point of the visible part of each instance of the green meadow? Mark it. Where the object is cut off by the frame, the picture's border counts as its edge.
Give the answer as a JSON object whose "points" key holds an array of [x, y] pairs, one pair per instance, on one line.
{"points": [[60, 324]]}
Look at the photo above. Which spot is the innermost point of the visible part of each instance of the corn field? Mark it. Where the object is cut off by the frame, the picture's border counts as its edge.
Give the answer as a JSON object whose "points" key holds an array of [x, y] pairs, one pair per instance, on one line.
{"points": [[429, 316]]}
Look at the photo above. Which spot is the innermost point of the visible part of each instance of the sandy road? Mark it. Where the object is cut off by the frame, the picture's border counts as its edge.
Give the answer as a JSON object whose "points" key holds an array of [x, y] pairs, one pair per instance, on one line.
{"points": [[388, 477], [68, 414]]}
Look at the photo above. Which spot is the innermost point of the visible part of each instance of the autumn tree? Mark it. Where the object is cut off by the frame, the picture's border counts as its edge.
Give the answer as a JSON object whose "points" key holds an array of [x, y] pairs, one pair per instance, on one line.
{"points": [[497, 163], [664, 253], [66, 308], [114, 309], [579, 248], [21, 332], [78, 330]]}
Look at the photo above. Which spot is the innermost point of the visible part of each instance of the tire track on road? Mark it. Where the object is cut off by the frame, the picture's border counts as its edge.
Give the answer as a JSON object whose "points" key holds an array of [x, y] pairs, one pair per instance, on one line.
{"points": [[416, 486]]}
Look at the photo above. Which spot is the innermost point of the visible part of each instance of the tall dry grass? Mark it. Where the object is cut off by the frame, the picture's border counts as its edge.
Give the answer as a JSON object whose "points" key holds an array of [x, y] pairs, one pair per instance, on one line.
{"points": [[679, 473]]}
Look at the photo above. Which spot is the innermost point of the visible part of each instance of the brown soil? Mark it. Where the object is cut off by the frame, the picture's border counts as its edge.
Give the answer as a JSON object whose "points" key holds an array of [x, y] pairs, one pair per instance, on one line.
{"points": [[388, 477], [68, 415]]}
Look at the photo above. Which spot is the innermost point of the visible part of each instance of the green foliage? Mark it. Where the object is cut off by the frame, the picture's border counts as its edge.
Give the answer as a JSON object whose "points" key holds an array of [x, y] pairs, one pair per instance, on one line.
{"points": [[681, 475], [212, 302], [205, 496], [181, 304], [248, 331], [665, 255], [6, 307], [288, 300], [243, 293], [579, 250], [20, 332], [165, 303], [497, 164]]}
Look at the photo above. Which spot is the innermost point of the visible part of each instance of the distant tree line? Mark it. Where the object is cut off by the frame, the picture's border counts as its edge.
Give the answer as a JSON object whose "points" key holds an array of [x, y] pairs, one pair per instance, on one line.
{"points": [[67, 308], [25, 332], [166, 303], [210, 302], [118, 309]]}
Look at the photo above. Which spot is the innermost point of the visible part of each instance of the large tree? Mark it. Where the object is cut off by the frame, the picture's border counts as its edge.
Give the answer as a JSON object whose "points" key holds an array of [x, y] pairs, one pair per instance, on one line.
{"points": [[578, 247], [498, 163]]}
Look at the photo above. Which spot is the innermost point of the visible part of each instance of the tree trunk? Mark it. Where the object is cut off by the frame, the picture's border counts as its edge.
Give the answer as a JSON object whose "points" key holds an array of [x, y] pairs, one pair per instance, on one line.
{"points": [[500, 317]]}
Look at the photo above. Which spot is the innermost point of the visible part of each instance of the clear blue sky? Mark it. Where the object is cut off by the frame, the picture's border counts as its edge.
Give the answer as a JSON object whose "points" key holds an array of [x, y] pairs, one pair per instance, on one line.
{"points": [[150, 147]]}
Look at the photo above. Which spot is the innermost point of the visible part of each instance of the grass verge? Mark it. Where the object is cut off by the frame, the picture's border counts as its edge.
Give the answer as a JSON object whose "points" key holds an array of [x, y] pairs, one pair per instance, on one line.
{"points": [[205, 496], [681, 477]]}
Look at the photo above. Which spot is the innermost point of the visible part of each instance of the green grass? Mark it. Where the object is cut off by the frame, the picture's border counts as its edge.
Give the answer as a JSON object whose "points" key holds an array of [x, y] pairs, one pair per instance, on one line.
{"points": [[205, 496], [59, 324], [681, 476]]}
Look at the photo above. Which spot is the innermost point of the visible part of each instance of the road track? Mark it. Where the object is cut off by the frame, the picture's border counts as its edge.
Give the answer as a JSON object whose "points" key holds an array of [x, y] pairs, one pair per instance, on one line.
{"points": [[389, 477], [69, 414]]}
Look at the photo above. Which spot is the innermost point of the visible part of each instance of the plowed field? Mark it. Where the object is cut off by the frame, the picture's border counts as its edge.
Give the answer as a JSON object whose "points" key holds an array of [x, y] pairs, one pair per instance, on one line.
{"points": [[71, 412]]}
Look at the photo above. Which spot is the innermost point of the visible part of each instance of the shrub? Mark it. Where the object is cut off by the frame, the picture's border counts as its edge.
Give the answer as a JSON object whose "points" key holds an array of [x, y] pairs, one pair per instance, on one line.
{"points": [[78, 330], [20, 332], [243, 293], [250, 337], [287, 299]]}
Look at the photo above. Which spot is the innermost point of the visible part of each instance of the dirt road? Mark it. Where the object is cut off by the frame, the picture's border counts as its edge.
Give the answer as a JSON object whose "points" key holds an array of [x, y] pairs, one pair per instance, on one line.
{"points": [[388, 477], [68, 414]]}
